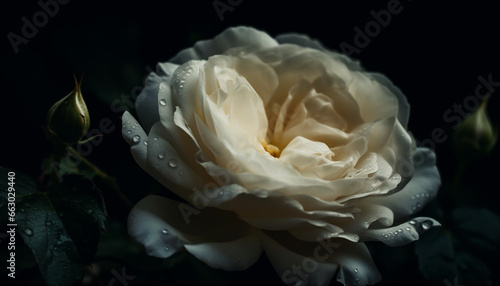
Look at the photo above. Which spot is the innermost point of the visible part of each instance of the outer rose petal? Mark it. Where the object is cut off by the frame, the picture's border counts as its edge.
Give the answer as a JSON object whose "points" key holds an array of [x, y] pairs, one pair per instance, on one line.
{"points": [[317, 263], [401, 234], [164, 226], [147, 101], [421, 189], [230, 38]]}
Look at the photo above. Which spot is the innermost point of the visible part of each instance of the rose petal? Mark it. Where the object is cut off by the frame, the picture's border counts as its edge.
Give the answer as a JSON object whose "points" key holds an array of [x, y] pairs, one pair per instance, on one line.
{"points": [[137, 138], [404, 106], [299, 269], [163, 226], [305, 41], [356, 266], [233, 255], [401, 234], [421, 189], [179, 175], [230, 38], [375, 100], [147, 101]]}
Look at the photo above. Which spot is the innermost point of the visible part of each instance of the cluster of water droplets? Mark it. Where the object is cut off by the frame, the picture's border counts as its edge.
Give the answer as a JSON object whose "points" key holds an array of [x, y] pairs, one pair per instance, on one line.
{"points": [[419, 198], [179, 78], [412, 225]]}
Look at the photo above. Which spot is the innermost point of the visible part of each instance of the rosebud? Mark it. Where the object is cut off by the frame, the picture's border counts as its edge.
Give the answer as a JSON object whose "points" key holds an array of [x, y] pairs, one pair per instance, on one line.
{"points": [[476, 136], [68, 119]]}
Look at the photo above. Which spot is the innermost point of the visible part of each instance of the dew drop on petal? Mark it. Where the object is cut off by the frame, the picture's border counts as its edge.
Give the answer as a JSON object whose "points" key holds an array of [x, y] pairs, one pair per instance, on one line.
{"points": [[146, 143], [356, 270], [166, 248], [427, 224], [161, 155], [129, 132], [136, 139], [412, 222], [163, 102], [407, 228], [172, 163], [164, 231]]}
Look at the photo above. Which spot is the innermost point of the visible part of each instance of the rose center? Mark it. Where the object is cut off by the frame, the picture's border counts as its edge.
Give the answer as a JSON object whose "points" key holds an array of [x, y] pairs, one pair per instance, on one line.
{"points": [[272, 149]]}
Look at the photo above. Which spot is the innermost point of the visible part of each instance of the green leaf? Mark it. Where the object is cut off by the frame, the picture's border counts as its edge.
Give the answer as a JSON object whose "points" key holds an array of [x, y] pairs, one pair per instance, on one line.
{"points": [[479, 229], [81, 209], [473, 271], [60, 226], [436, 255], [466, 249]]}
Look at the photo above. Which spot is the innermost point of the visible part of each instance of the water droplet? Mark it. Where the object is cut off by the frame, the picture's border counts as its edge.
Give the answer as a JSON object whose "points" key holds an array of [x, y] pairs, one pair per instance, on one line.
{"points": [[161, 155], [166, 248], [164, 231], [146, 143], [407, 228], [129, 132], [412, 222], [163, 102], [419, 205], [124, 125], [356, 270], [28, 231], [155, 138], [136, 139], [427, 224], [47, 223], [400, 230], [172, 163]]}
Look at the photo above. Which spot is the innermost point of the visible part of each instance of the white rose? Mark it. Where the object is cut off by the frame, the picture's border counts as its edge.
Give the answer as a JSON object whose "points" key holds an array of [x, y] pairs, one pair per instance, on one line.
{"points": [[277, 146]]}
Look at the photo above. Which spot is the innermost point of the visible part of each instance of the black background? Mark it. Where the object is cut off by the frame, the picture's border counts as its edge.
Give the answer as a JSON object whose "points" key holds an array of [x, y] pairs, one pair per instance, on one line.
{"points": [[433, 51]]}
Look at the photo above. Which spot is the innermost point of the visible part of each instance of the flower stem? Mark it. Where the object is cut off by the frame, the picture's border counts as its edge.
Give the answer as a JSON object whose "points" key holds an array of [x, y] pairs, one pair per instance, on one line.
{"points": [[102, 175]]}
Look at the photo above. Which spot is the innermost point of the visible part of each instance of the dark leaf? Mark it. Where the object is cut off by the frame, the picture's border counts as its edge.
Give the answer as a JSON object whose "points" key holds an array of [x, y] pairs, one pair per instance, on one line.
{"points": [[61, 227], [436, 255], [478, 230]]}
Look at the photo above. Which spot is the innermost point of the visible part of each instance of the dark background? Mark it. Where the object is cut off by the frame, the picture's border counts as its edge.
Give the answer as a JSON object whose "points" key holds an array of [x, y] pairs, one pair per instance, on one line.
{"points": [[433, 51]]}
